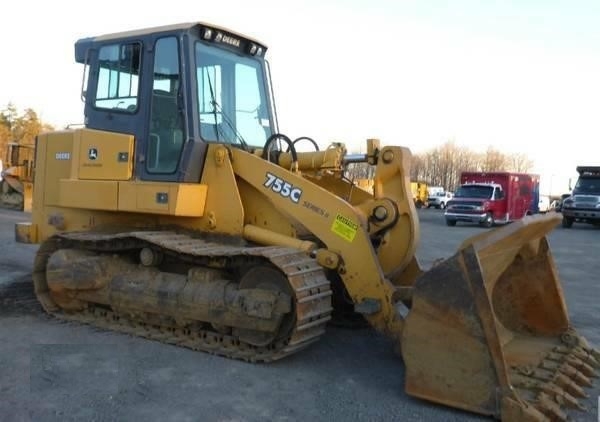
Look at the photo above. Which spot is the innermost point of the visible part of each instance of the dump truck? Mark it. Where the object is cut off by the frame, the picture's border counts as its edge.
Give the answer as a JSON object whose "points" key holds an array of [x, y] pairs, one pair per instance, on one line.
{"points": [[16, 177], [182, 214], [583, 205]]}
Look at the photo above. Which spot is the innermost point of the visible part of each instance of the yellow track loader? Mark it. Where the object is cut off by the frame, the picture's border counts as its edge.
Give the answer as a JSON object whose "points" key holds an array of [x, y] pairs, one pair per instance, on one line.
{"points": [[419, 193], [181, 213], [16, 178]]}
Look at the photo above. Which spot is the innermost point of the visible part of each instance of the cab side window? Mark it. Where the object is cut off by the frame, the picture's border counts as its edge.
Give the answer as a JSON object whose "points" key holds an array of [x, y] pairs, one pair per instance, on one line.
{"points": [[166, 120], [118, 77]]}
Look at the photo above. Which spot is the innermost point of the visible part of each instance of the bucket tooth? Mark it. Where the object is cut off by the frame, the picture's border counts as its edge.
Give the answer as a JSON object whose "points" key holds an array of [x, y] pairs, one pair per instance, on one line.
{"points": [[513, 409], [586, 356], [575, 375], [581, 353], [595, 353], [581, 366], [552, 390], [574, 361], [569, 371], [573, 339], [560, 396], [549, 408], [570, 386]]}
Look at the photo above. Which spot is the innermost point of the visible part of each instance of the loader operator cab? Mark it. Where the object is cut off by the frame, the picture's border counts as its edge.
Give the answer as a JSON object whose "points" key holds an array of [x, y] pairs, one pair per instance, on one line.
{"points": [[176, 89]]}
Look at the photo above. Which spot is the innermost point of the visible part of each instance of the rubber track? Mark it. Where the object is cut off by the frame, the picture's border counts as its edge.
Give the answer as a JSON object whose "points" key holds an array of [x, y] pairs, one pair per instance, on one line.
{"points": [[306, 277]]}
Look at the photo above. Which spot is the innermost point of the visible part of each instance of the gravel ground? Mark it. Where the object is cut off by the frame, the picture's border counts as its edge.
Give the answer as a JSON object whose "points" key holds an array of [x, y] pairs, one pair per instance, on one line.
{"points": [[52, 370]]}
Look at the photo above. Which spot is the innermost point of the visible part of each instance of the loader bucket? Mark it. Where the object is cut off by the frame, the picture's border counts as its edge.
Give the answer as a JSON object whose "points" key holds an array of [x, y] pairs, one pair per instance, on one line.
{"points": [[488, 330]]}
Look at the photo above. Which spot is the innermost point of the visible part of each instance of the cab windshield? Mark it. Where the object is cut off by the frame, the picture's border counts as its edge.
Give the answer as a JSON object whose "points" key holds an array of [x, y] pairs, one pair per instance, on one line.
{"points": [[474, 191], [589, 185], [232, 99]]}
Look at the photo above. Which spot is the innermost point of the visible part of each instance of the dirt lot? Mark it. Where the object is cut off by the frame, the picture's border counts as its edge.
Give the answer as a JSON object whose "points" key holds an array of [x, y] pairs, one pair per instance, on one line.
{"points": [[51, 370]]}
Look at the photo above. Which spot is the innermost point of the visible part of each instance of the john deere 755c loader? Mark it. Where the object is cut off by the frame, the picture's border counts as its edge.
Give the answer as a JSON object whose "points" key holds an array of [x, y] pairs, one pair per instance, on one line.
{"points": [[180, 213]]}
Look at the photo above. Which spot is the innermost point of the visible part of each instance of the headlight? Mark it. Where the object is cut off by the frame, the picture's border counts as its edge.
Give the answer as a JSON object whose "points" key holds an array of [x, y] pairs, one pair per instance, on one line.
{"points": [[567, 204]]}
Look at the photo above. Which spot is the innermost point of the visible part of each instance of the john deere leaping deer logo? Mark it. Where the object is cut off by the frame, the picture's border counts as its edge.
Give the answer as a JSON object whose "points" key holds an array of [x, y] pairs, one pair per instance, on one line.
{"points": [[92, 153]]}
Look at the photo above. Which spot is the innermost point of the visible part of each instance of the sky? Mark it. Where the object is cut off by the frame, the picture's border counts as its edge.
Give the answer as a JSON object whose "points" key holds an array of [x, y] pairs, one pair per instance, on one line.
{"points": [[521, 76]]}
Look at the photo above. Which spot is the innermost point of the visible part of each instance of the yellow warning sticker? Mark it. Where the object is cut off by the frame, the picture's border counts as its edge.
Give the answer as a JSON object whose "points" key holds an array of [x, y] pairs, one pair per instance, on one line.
{"points": [[344, 227]]}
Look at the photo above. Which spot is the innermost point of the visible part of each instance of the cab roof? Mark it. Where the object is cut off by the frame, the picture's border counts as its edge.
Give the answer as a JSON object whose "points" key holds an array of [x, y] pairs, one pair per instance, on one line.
{"points": [[83, 44]]}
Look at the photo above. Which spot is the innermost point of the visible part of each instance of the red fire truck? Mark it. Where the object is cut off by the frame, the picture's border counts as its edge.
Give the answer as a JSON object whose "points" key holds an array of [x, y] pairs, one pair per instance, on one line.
{"points": [[493, 198]]}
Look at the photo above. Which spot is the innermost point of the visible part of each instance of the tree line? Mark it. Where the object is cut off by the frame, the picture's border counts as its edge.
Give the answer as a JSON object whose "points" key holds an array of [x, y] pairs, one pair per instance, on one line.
{"points": [[442, 165], [19, 126]]}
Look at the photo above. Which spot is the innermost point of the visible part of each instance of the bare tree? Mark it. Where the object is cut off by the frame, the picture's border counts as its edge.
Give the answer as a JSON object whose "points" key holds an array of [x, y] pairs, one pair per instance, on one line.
{"points": [[494, 160], [357, 171], [520, 163], [417, 167], [442, 166]]}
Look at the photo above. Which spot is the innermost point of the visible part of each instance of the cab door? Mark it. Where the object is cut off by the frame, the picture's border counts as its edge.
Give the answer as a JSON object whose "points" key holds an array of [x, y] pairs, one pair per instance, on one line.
{"points": [[160, 157]]}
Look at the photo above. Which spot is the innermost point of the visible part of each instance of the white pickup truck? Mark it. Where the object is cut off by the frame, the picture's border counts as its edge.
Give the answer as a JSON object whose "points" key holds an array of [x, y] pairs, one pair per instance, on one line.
{"points": [[439, 200]]}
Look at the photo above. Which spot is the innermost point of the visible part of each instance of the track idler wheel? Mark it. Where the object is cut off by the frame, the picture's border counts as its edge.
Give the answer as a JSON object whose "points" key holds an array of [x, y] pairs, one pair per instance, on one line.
{"points": [[267, 278]]}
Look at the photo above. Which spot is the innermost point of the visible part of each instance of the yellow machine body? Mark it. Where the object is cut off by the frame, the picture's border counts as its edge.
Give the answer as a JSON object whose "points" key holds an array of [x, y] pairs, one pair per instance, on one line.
{"points": [[16, 183], [419, 193]]}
